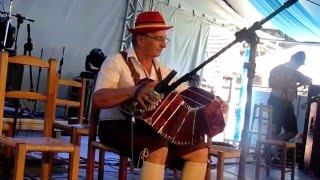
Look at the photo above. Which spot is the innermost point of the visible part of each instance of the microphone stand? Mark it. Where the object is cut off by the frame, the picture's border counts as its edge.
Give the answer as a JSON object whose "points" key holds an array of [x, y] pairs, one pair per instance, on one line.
{"points": [[28, 48], [249, 36], [61, 62], [38, 82], [20, 21], [3, 45]]}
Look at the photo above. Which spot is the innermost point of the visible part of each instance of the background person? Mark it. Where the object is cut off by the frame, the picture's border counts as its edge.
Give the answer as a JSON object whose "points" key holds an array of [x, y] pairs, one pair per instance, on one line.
{"points": [[284, 80]]}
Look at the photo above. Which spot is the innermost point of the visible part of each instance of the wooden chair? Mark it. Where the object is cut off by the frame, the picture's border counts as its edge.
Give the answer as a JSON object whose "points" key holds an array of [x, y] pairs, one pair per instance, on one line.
{"points": [[94, 144], [46, 144], [7, 129], [264, 117], [78, 129], [221, 153]]}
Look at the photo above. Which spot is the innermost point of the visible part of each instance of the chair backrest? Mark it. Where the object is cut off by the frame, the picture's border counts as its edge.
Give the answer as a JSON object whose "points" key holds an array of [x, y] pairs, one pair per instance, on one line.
{"points": [[265, 126], [93, 117], [93, 124], [76, 102], [49, 96]]}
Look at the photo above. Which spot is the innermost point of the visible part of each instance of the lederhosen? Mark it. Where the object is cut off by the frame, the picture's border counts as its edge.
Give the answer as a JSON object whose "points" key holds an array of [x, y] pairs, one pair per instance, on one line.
{"points": [[117, 133]]}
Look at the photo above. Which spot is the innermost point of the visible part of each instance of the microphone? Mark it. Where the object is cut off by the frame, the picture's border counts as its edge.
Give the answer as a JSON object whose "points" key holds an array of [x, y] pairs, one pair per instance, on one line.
{"points": [[162, 86]]}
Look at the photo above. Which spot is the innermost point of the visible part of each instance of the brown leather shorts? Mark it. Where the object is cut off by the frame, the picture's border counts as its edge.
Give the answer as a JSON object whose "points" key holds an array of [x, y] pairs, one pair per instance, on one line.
{"points": [[117, 134]]}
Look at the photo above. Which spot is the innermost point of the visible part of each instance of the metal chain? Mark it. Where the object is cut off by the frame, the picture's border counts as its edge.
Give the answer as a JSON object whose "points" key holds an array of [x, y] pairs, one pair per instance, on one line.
{"points": [[132, 162]]}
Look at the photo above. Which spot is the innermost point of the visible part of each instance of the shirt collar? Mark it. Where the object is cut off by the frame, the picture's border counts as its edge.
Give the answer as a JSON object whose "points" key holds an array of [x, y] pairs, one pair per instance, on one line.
{"points": [[132, 54]]}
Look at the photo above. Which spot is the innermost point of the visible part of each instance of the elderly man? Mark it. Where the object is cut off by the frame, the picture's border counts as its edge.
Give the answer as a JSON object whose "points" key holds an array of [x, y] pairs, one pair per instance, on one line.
{"points": [[117, 83]]}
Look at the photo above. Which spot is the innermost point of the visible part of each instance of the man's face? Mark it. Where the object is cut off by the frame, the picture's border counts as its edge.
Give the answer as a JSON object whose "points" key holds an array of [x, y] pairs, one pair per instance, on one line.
{"points": [[153, 43]]}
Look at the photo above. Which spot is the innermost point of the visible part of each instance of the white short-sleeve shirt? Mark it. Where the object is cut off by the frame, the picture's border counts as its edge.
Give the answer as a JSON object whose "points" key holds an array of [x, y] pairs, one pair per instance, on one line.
{"points": [[115, 73]]}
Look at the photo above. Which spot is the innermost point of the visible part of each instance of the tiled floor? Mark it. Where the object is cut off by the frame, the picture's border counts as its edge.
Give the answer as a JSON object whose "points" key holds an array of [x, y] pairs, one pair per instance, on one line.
{"points": [[111, 169]]}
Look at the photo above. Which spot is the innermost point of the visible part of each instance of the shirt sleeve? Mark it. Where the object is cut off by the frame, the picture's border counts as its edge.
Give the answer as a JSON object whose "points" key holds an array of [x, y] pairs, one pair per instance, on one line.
{"points": [[109, 74], [302, 79]]}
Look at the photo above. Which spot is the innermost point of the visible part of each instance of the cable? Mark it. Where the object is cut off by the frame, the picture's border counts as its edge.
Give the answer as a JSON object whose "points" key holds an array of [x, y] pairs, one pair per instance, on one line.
{"points": [[314, 2]]}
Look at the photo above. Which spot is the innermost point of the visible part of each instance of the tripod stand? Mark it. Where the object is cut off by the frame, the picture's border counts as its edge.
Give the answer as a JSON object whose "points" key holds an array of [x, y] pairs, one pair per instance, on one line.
{"points": [[28, 47]]}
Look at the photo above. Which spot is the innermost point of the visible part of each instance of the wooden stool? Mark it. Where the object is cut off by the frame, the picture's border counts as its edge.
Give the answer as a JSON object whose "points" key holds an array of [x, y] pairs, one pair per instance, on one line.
{"points": [[264, 138], [221, 153]]}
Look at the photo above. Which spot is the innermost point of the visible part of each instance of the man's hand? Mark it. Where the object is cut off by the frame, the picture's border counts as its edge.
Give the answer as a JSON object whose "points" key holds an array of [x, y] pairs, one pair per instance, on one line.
{"points": [[142, 93]]}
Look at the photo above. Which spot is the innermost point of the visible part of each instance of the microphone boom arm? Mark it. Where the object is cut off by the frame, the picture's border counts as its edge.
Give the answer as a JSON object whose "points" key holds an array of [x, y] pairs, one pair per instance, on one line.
{"points": [[244, 34]]}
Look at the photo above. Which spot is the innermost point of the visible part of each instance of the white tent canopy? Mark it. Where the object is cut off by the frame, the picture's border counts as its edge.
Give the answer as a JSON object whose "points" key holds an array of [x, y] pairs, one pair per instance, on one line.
{"points": [[81, 25]]}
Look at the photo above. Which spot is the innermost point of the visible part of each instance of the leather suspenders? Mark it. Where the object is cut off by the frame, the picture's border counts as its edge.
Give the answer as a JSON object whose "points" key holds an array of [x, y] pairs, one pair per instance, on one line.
{"points": [[135, 75]]}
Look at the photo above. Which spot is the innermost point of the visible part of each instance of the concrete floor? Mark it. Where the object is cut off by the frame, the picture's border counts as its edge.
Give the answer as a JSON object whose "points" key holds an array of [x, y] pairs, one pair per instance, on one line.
{"points": [[230, 172]]}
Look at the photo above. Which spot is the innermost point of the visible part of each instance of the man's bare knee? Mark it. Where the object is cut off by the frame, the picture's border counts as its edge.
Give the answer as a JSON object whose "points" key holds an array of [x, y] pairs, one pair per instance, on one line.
{"points": [[199, 156], [158, 156]]}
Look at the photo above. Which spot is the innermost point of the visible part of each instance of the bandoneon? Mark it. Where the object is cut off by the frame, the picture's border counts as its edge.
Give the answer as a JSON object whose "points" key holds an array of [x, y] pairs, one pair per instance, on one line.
{"points": [[182, 118]]}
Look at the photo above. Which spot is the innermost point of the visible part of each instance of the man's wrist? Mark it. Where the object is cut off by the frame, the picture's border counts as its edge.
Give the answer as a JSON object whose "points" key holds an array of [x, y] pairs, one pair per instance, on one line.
{"points": [[133, 90], [137, 90]]}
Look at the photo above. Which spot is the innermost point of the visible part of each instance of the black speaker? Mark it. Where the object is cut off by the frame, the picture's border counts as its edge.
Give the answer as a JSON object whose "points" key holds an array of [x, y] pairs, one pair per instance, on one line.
{"points": [[11, 33], [314, 90]]}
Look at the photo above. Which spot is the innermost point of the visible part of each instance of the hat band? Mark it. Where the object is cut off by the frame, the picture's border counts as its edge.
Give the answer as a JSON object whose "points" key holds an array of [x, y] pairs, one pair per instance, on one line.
{"points": [[150, 25]]}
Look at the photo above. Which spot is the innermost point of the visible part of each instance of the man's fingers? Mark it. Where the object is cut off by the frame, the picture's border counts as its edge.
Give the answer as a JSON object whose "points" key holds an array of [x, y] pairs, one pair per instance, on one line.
{"points": [[141, 102], [147, 99], [142, 94]]}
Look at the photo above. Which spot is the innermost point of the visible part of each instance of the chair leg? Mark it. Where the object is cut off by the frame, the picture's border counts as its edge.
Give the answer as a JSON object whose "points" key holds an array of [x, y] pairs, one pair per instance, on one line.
{"points": [[101, 164], [74, 163], [75, 138], [90, 163], [268, 160], [9, 133], [293, 167], [123, 168], [46, 165], [19, 164], [8, 161], [284, 161], [8, 154], [220, 166], [258, 156], [208, 171]]}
